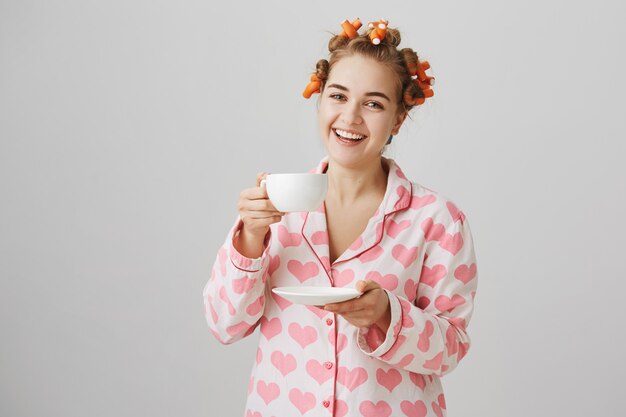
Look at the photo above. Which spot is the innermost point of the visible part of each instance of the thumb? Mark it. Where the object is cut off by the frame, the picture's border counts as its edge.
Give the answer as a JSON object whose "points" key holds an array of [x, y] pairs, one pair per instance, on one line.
{"points": [[368, 285], [260, 176]]}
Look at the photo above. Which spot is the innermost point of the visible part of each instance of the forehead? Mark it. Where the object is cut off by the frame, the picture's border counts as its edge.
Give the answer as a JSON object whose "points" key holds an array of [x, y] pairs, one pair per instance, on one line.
{"points": [[360, 74]]}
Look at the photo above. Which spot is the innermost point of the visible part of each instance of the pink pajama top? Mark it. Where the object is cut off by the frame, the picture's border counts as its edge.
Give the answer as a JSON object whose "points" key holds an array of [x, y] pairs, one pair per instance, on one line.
{"points": [[418, 246]]}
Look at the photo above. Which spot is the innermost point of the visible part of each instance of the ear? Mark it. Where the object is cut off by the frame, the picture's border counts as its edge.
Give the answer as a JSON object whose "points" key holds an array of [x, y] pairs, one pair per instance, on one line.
{"points": [[399, 120]]}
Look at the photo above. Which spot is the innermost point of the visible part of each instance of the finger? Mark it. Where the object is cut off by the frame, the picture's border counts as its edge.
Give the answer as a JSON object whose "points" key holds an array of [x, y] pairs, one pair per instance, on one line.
{"points": [[261, 214], [344, 307], [259, 205], [365, 286], [261, 223], [260, 176], [256, 193]]}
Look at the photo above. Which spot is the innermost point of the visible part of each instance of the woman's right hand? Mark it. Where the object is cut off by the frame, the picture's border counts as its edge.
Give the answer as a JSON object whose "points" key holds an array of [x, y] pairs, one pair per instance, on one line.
{"points": [[257, 211]]}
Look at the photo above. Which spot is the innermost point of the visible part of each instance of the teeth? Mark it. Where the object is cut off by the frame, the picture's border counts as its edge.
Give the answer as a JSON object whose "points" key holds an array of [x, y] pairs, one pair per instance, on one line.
{"points": [[348, 135]]}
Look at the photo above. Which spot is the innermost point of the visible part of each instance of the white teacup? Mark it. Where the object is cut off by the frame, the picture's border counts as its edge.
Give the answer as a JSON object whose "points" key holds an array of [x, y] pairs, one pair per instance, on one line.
{"points": [[296, 192]]}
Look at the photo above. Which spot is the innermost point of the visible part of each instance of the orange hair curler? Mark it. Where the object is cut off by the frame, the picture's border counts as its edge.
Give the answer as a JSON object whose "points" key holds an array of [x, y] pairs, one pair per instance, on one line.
{"points": [[350, 29], [379, 30], [312, 87]]}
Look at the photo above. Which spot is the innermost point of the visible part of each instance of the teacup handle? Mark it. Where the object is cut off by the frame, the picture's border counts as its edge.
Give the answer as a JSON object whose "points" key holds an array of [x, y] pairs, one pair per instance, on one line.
{"points": [[262, 185]]}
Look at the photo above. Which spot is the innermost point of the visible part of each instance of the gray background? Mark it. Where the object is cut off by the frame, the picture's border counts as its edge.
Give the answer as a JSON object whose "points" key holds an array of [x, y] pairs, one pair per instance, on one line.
{"points": [[128, 129]]}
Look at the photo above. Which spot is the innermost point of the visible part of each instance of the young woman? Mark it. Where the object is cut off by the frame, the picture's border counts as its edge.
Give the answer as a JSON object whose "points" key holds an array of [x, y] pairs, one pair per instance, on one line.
{"points": [[406, 247]]}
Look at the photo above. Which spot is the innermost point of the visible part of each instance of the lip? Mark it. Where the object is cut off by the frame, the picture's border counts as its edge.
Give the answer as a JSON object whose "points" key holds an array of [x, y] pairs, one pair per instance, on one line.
{"points": [[343, 142], [349, 131]]}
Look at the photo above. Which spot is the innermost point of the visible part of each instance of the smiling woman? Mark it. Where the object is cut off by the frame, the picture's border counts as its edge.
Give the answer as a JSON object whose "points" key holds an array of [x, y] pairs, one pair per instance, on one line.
{"points": [[403, 254]]}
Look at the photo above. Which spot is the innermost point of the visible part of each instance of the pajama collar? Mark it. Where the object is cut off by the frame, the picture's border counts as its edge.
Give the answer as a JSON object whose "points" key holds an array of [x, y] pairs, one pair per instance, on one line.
{"points": [[397, 198]]}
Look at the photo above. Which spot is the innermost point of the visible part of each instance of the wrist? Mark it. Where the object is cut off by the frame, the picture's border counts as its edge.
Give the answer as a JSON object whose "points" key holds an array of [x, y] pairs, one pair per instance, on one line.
{"points": [[385, 320]]}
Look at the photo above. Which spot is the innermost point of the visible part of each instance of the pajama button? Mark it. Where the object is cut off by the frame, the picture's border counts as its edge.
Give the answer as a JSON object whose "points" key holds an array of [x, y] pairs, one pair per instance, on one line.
{"points": [[328, 365], [326, 403], [329, 321]]}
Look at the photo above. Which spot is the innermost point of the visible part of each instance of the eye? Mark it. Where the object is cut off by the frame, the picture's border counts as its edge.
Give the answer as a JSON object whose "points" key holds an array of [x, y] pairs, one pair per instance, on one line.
{"points": [[335, 95], [376, 105]]}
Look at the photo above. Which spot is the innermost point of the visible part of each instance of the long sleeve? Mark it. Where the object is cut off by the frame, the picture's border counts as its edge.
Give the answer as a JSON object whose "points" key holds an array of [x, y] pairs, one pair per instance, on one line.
{"points": [[428, 335], [234, 296]]}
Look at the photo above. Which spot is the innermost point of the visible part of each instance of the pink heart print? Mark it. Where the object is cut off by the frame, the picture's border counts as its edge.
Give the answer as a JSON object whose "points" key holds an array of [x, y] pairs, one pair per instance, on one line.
{"points": [[410, 289], [237, 328], [455, 212], [406, 256], [274, 264], [416, 409], [437, 409], [405, 361], [371, 254], [255, 414], [404, 197], [418, 202], [325, 260], [280, 301], [407, 321], [452, 243], [304, 336], [388, 379], [451, 342], [458, 322], [268, 392], [423, 302], [351, 378], [341, 408], [319, 238], [284, 363], [432, 231], [318, 371], [303, 272], [259, 356], [256, 306], [431, 276], [342, 342], [380, 409], [342, 278], [465, 273], [434, 363], [424, 340], [270, 328], [288, 239], [445, 303], [394, 229], [389, 281], [304, 401], [418, 379]]}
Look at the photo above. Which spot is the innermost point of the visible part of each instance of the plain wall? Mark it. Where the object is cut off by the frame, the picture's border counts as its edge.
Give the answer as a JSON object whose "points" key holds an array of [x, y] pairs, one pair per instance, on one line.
{"points": [[128, 129]]}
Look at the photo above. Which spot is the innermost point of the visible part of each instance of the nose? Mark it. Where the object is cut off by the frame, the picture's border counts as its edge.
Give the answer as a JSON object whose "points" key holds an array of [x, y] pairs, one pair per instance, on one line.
{"points": [[351, 114]]}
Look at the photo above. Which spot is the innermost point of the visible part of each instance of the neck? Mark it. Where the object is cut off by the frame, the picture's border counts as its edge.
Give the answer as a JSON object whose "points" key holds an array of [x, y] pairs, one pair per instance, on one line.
{"points": [[347, 185]]}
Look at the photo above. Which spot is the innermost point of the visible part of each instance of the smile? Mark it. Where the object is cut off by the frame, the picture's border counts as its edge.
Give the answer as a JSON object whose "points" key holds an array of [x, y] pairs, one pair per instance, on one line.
{"points": [[347, 136]]}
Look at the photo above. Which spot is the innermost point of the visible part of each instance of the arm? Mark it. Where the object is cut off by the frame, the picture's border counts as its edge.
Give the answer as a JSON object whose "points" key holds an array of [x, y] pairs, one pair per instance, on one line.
{"points": [[429, 336], [234, 296]]}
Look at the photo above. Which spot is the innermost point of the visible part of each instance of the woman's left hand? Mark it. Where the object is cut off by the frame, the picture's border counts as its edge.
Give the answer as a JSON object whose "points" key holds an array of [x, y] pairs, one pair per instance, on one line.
{"points": [[370, 308]]}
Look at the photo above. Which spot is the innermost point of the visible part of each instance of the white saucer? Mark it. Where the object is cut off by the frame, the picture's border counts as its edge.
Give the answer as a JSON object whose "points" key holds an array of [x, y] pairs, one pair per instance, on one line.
{"points": [[316, 296]]}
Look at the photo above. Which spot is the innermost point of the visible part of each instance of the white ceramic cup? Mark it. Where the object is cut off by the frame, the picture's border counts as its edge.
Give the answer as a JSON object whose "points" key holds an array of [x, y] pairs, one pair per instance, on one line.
{"points": [[296, 192]]}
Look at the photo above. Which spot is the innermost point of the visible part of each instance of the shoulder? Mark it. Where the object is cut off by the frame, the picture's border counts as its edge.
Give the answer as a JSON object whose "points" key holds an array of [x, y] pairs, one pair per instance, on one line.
{"points": [[428, 202]]}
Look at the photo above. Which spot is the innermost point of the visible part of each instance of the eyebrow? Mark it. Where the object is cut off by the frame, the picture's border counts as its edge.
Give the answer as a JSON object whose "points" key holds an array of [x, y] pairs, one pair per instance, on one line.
{"points": [[371, 93]]}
